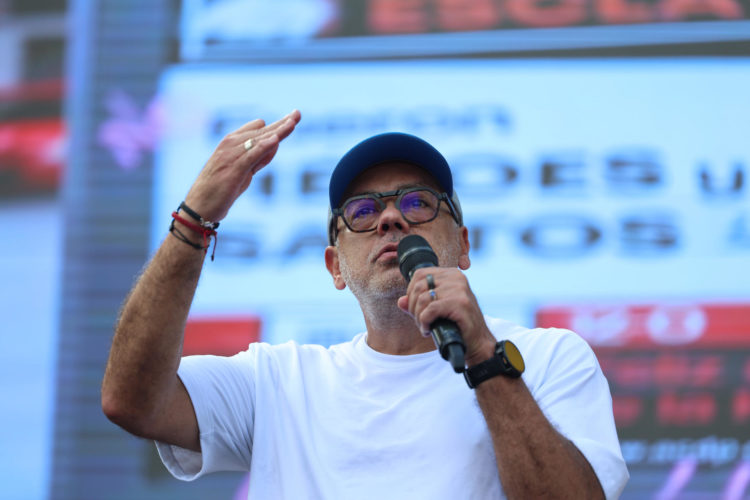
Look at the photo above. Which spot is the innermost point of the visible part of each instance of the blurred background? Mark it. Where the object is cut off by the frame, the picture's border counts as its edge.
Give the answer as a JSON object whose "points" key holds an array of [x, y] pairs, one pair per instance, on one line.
{"points": [[601, 150]]}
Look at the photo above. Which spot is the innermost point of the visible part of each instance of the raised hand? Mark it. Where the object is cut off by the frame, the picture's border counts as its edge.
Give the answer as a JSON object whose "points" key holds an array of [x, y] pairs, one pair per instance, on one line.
{"points": [[231, 167]]}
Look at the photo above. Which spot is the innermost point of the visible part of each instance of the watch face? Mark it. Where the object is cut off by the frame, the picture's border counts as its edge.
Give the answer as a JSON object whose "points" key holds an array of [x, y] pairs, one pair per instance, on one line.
{"points": [[514, 356]]}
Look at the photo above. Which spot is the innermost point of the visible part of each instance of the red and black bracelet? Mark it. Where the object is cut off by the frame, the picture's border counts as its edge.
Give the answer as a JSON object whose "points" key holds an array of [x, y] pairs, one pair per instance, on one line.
{"points": [[204, 227]]}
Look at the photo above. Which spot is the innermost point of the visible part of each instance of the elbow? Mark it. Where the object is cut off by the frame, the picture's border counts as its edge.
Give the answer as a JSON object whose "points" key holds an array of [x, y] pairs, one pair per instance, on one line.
{"points": [[111, 407], [123, 413]]}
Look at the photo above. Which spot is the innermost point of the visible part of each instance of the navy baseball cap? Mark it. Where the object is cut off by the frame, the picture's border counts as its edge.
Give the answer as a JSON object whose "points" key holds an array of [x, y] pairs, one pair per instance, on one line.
{"points": [[389, 147]]}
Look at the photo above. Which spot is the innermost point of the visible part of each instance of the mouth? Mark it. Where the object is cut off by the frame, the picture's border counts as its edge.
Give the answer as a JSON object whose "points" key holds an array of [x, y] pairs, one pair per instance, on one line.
{"points": [[388, 252]]}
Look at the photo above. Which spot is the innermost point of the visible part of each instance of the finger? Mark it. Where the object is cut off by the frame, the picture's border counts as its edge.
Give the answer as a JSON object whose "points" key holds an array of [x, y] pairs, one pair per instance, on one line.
{"points": [[252, 125], [251, 148], [257, 129], [284, 129], [428, 306], [413, 292], [428, 310], [414, 303], [418, 285], [261, 155], [431, 312], [280, 132], [420, 275], [271, 148], [287, 126], [413, 285], [292, 118], [423, 324], [403, 304], [261, 146]]}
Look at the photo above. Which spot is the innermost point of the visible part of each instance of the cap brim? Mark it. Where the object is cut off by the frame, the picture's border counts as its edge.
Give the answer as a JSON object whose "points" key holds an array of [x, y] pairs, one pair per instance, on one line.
{"points": [[391, 147]]}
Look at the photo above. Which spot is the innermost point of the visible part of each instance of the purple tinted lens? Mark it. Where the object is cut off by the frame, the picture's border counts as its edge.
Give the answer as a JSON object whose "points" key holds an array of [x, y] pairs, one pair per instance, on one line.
{"points": [[419, 206], [361, 213]]}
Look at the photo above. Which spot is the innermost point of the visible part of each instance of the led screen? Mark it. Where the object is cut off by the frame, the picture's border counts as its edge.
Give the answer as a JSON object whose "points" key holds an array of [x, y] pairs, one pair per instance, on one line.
{"points": [[605, 197]]}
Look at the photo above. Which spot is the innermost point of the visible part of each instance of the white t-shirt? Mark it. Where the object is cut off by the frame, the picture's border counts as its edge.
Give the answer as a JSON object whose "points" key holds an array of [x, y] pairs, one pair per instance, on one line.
{"points": [[350, 422]]}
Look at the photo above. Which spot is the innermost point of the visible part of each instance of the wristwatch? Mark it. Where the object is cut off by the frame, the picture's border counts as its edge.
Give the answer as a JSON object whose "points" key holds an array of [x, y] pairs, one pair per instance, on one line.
{"points": [[506, 361]]}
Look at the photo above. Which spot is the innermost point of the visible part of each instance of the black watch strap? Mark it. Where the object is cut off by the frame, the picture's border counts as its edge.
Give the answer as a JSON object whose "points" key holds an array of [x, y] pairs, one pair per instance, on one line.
{"points": [[499, 364]]}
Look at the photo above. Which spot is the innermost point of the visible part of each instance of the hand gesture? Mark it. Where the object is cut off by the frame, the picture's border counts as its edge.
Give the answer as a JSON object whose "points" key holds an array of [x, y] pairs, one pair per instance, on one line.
{"points": [[231, 167]]}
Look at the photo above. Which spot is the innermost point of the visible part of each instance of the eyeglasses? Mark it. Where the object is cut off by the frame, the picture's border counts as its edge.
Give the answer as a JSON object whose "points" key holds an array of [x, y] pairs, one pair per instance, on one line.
{"points": [[417, 205]]}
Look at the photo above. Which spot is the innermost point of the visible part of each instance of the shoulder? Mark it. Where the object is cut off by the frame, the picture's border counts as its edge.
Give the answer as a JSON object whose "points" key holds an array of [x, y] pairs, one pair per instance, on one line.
{"points": [[546, 351], [537, 340]]}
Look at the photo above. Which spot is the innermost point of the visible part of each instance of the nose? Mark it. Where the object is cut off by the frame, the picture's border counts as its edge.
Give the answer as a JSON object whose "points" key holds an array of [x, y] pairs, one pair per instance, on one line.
{"points": [[390, 219]]}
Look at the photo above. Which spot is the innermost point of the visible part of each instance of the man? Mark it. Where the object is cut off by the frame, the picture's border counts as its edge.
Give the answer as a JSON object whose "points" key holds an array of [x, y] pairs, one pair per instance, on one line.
{"points": [[382, 416]]}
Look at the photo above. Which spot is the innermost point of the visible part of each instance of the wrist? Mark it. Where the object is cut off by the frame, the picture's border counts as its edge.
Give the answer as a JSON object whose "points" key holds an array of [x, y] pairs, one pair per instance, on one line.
{"points": [[506, 361], [482, 352], [204, 228], [201, 207], [188, 232], [187, 215]]}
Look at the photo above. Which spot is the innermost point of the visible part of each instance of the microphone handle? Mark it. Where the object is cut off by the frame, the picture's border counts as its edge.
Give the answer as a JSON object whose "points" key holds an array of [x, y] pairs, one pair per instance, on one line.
{"points": [[445, 334], [448, 340]]}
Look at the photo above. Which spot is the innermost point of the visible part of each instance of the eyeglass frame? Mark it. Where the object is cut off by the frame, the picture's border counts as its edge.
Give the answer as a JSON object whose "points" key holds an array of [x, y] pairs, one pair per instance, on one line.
{"points": [[378, 198]]}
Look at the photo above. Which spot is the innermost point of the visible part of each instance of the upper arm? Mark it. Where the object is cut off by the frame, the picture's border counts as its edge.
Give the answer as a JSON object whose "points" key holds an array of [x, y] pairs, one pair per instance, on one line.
{"points": [[172, 421], [177, 423], [211, 410], [576, 399]]}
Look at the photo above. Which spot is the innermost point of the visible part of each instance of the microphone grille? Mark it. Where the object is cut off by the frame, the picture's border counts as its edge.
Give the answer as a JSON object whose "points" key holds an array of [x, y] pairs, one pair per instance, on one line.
{"points": [[414, 252]]}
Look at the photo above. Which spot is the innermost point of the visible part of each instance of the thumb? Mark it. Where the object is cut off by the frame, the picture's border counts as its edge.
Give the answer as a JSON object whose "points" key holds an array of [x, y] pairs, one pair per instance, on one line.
{"points": [[403, 303]]}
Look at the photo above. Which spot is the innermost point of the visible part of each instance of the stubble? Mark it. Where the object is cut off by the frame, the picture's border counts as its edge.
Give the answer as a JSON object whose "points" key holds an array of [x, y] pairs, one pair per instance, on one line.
{"points": [[379, 285]]}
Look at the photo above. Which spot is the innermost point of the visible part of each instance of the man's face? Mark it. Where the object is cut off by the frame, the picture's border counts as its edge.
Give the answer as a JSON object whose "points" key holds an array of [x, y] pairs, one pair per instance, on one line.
{"points": [[367, 262]]}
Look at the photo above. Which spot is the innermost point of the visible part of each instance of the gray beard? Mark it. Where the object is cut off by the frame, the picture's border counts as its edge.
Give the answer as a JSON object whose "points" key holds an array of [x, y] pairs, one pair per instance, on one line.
{"points": [[379, 303]]}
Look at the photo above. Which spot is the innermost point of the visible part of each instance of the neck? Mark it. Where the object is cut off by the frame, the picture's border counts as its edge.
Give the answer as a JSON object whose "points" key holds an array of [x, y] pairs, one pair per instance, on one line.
{"points": [[392, 331]]}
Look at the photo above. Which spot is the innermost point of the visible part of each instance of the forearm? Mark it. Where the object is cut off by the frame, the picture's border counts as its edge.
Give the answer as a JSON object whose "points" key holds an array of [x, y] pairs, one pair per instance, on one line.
{"points": [[533, 459], [147, 344], [141, 391]]}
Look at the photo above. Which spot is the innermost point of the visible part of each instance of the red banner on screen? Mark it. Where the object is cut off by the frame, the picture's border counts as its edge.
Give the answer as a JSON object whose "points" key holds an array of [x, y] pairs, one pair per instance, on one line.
{"points": [[653, 325], [675, 369], [222, 336]]}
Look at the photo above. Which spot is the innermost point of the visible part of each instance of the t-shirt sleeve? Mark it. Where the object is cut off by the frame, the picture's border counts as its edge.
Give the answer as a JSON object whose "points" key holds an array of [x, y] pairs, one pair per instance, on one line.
{"points": [[222, 391], [575, 397]]}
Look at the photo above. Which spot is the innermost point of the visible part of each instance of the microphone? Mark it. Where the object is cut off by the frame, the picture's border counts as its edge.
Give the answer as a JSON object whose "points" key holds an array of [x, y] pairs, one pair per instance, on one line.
{"points": [[415, 253]]}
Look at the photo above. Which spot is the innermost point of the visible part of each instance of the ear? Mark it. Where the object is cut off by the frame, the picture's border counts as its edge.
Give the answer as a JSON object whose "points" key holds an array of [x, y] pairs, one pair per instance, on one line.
{"points": [[332, 264], [463, 259]]}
